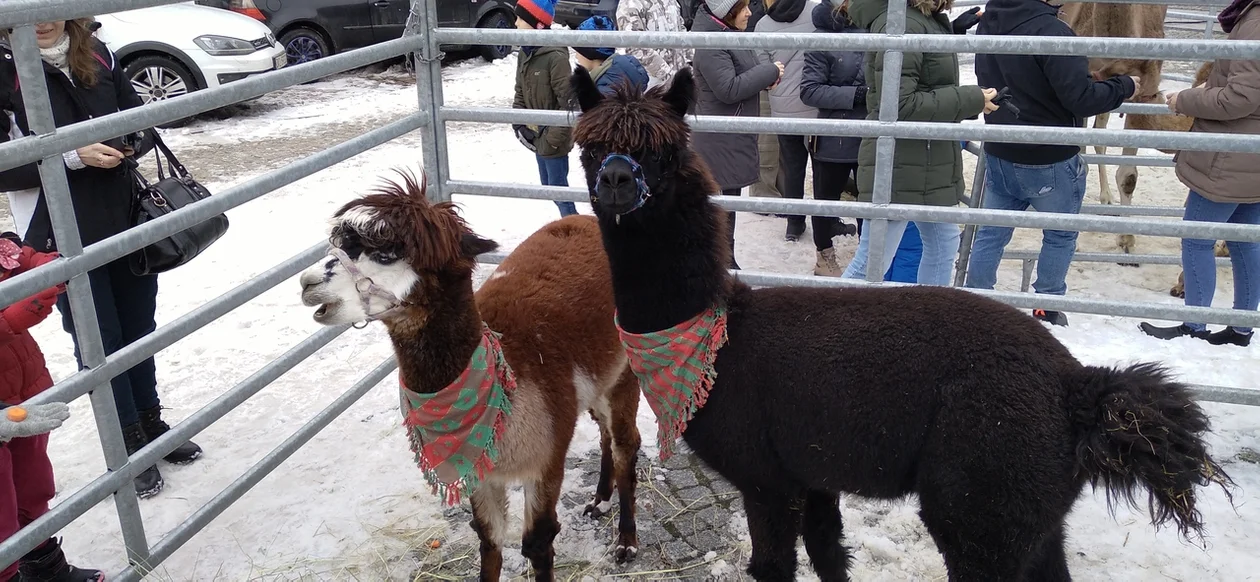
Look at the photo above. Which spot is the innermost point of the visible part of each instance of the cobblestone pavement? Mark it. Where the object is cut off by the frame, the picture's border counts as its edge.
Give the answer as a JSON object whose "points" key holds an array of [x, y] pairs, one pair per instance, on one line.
{"points": [[690, 521]]}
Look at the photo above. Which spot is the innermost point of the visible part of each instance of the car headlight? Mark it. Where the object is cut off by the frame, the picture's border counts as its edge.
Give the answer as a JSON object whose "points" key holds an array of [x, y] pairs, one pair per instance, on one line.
{"points": [[221, 46]]}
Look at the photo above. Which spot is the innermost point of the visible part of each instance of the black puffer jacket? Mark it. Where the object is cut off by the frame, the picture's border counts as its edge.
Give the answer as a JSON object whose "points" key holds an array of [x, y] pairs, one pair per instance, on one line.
{"points": [[102, 198], [835, 83]]}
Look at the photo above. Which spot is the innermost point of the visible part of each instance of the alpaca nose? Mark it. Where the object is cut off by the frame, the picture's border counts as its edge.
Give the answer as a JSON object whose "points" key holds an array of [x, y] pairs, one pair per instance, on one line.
{"points": [[616, 188]]}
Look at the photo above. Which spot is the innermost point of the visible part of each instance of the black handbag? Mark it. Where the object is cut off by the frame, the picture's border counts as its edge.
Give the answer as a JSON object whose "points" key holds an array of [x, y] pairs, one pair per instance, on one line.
{"points": [[168, 194]]}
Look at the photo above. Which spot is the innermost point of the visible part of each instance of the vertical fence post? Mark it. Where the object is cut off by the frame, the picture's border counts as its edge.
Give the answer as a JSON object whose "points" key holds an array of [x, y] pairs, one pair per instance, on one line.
{"points": [[428, 66], [56, 190], [889, 100], [969, 231]]}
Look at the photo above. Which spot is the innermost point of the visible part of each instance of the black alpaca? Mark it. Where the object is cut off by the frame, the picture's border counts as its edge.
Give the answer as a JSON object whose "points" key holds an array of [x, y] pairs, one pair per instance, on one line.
{"points": [[964, 401]]}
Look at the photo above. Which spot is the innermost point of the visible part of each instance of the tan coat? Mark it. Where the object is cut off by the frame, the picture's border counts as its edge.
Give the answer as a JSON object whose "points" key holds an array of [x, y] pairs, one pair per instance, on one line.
{"points": [[1228, 103]]}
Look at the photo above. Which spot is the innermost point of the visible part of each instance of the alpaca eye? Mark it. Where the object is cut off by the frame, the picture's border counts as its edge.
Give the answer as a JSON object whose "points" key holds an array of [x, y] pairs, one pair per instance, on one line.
{"points": [[384, 258]]}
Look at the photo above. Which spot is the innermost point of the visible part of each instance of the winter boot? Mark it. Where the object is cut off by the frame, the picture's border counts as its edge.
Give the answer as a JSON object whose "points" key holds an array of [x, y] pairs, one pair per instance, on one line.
{"points": [[1167, 333], [1230, 336], [795, 228], [148, 483], [154, 427], [842, 228], [826, 265], [1053, 317], [47, 563]]}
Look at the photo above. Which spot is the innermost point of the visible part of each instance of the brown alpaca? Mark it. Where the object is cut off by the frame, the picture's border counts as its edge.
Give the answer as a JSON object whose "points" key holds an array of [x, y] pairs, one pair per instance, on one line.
{"points": [[1127, 21], [549, 303]]}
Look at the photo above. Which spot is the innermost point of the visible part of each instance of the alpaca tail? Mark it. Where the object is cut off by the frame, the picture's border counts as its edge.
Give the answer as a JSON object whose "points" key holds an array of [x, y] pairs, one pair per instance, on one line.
{"points": [[1137, 426]]}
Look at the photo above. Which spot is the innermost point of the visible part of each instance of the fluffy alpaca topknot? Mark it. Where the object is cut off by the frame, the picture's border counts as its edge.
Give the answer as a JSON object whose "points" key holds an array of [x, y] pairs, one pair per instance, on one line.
{"points": [[630, 121], [398, 217]]}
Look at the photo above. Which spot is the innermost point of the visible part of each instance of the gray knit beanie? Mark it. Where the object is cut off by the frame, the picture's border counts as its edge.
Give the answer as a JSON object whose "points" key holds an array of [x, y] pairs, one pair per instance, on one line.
{"points": [[719, 8]]}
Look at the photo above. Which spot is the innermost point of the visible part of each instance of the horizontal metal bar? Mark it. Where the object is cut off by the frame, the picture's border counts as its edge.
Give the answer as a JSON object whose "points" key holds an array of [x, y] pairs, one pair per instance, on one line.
{"points": [[1121, 160], [1022, 300], [1017, 255], [1143, 108], [14, 12], [102, 487], [1180, 140], [180, 535], [124, 243], [29, 149], [124, 359], [1123, 210], [1133, 48], [955, 215]]}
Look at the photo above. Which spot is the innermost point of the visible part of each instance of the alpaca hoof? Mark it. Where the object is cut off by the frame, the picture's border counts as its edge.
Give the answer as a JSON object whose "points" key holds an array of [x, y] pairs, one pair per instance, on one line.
{"points": [[1175, 292], [597, 509], [625, 554]]}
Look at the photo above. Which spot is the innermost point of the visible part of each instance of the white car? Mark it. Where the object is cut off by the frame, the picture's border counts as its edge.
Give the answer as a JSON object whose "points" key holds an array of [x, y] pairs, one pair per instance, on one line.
{"points": [[171, 50]]}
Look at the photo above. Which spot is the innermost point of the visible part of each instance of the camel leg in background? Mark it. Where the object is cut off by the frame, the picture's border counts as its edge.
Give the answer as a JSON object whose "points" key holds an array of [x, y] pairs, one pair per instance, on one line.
{"points": [[1104, 187], [1126, 182]]}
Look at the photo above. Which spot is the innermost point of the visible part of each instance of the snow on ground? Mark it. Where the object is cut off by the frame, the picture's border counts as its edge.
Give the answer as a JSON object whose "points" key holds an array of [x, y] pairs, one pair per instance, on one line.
{"points": [[352, 505]]}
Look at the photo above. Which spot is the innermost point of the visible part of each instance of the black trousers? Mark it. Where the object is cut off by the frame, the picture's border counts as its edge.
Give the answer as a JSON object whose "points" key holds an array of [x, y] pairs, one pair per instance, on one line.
{"points": [[793, 157], [830, 179], [125, 306], [730, 233]]}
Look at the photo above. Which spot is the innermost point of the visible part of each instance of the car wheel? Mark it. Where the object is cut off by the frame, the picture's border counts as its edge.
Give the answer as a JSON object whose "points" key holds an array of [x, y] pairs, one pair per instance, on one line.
{"points": [[304, 45], [495, 20], [157, 78]]}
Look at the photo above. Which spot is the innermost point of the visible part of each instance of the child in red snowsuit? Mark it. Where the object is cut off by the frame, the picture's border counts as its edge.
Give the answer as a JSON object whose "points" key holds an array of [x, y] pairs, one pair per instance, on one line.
{"points": [[26, 476]]}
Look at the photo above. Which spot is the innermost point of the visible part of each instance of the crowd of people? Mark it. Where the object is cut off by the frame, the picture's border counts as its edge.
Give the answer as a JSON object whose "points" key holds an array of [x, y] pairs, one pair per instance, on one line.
{"points": [[85, 80], [1049, 90]]}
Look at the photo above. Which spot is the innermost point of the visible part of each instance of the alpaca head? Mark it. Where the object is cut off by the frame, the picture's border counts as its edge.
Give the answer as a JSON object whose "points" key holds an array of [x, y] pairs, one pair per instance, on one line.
{"points": [[392, 254], [634, 145]]}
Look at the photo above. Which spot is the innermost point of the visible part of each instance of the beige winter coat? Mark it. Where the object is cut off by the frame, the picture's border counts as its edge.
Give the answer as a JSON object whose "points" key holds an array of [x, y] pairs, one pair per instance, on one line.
{"points": [[1228, 103]]}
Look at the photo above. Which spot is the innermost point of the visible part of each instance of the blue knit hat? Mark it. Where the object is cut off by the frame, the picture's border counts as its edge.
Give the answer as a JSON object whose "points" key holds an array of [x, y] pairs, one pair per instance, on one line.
{"points": [[596, 23], [538, 13]]}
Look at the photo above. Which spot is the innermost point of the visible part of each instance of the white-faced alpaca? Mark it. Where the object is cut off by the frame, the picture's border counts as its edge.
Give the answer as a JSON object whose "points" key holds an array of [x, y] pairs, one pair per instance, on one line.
{"points": [[492, 383]]}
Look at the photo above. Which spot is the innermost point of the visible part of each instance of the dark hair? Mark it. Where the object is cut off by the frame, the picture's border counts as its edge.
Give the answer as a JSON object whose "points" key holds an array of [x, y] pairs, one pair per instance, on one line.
{"points": [[739, 6]]}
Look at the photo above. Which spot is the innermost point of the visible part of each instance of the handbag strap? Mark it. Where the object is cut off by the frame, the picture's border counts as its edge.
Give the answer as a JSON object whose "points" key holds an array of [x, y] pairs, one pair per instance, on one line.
{"points": [[177, 169]]}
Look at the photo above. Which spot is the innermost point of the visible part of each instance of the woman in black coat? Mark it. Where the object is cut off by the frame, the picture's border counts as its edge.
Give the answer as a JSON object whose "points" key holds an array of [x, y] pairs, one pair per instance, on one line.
{"points": [[833, 81], [729, 82], [86, 81]]}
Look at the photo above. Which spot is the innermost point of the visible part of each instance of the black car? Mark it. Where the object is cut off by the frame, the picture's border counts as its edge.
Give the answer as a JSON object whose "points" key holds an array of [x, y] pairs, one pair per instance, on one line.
{"points": [[310, 29], [571, 13]]}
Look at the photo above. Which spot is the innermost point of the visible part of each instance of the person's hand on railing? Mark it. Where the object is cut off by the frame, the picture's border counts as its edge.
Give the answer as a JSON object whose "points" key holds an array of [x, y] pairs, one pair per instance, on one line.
{"points": [[28, 421], [966, 20], [1171, 100]]}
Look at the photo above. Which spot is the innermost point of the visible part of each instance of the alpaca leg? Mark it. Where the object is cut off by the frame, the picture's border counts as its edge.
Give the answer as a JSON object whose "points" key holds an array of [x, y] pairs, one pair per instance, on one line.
{"points": [[1104, 187], [541, 524], [625, 445], [773, 524], [601, 504], [1049, 561], [823, 531], [1126, 181], [489, 505]]}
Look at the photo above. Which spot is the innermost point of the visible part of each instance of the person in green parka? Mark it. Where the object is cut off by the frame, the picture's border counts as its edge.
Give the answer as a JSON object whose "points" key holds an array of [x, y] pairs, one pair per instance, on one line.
{"points": [[924, 172], [542, 82]]}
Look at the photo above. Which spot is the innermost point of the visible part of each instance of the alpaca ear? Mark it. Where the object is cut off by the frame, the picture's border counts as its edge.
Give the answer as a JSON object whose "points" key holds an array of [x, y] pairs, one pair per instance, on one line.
{"points": [[682, 92], [584, 89], [472, 245]]}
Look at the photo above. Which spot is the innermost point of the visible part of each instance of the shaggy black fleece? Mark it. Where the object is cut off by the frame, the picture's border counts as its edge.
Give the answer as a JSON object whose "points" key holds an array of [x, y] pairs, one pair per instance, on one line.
{"points": [[969, 403]]}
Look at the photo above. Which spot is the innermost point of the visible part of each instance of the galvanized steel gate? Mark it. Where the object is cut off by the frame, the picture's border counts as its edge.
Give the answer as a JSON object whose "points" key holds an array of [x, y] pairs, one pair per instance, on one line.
{"points": [[424, 43]]}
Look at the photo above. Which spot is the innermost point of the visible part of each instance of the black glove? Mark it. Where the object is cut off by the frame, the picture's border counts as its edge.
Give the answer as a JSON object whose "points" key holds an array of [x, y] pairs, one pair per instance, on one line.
{"points": [[526, 136], [859, 96], [966, 20]]}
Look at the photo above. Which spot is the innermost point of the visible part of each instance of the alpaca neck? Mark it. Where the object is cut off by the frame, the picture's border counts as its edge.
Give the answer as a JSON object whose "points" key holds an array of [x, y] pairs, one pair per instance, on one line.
{"points": [[668, 265], [433, 351]]}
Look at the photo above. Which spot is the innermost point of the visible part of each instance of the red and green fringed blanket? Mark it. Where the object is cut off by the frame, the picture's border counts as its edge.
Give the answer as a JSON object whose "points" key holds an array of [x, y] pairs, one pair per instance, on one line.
{"points": [[454, 432], [675, 370]]}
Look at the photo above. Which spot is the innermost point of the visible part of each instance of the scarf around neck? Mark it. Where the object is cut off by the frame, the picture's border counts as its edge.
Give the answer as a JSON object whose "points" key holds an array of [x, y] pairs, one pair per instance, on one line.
{"points": [[454, 432], [675, 370], [58, 55], [1230, 16]]}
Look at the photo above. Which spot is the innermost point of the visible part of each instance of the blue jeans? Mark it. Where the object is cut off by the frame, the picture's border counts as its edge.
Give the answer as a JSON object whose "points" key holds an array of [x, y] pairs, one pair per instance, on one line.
{"points": [[555, 172], [1058, 187], [940, 248], [1199, 262]]}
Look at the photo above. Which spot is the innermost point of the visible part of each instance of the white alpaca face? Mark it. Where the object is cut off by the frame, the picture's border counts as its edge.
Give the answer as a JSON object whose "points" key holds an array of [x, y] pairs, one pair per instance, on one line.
{"points": [[331, 287]]}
